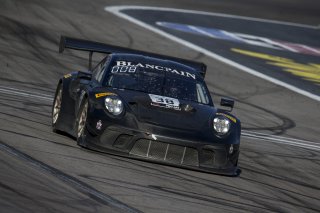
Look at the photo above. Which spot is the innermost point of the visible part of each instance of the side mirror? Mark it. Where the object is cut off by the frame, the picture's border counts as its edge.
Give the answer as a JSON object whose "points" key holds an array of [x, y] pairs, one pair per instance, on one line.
{"points": [[227, 102]]}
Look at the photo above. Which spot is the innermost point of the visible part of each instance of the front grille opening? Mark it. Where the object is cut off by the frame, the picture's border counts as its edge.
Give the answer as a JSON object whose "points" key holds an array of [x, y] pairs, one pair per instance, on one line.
{"points": [[207, 157], [175, 154], [165, 152], [221, 158], [214, 158], [140, 148], [191, 157], [157, 150], [122, 141]]}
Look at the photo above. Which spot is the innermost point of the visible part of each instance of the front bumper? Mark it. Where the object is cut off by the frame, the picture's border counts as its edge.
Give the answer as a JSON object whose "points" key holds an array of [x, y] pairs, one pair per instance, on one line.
{"points": [[195, 155]]}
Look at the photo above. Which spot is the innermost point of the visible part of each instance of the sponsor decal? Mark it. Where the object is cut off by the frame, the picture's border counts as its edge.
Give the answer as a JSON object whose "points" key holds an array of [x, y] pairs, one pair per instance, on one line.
{"points": [[309, 72], [67, 75], [99, 125], [234, 120], [165, 102], [103, 94], [242, 38], [130, 67]]}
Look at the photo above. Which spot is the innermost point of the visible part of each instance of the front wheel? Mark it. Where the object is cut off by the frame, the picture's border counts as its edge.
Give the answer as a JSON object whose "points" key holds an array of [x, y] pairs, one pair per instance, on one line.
{"points": [[56, 108], [81, 122]]}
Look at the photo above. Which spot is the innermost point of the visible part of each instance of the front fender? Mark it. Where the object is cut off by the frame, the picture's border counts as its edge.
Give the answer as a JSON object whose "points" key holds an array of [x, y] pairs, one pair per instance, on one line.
{"points": [[67, 116]]}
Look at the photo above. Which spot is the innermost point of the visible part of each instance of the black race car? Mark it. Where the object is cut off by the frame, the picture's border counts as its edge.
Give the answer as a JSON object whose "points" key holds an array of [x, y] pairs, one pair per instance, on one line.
{"points": [[146, 106]]}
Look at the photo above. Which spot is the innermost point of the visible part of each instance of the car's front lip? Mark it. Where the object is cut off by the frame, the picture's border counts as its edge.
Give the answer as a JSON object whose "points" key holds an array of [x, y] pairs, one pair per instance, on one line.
{"points": [[208, 157], [231, 171]]}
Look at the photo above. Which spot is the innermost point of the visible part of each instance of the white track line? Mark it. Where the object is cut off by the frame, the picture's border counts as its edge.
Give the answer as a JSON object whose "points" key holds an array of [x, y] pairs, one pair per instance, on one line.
{"points": [[130, 7], [252, 135], [116, 10]]}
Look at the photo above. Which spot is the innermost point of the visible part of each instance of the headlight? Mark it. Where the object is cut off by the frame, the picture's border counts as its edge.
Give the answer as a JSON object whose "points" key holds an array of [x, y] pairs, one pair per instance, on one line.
{"points": [[221, 125], [114, 105]]}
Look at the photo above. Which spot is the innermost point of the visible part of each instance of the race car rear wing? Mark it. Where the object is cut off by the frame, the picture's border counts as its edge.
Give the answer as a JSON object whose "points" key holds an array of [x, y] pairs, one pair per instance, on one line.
{"points": [[92, 46]]}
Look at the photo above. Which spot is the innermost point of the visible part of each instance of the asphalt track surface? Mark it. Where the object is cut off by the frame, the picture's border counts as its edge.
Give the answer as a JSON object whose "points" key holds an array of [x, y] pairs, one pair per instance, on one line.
{"points": [[45, 172]]}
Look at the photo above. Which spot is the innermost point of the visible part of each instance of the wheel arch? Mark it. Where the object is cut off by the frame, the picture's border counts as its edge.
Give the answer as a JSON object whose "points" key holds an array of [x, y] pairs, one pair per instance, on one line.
{"points": [[67, 114]]}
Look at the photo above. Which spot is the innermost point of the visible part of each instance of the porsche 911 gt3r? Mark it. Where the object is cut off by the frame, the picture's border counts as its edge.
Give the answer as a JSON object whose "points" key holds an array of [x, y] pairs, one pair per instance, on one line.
{"points": [[146, 106]]}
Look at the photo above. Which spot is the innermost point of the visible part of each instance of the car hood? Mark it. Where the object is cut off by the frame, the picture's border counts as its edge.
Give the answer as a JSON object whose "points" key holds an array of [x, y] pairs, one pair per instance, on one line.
{"points": [[169, 113]]}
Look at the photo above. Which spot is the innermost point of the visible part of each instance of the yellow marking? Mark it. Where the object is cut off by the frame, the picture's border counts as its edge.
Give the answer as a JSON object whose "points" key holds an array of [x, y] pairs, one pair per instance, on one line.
{"points": [[103, 94], [67, 76], [262, 56], [228, 116], [308, 76], [309, 72]]}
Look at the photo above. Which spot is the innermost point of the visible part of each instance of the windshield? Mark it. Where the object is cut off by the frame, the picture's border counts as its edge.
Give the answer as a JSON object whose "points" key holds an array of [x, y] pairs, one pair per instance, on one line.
{"points": [[157, 82]]}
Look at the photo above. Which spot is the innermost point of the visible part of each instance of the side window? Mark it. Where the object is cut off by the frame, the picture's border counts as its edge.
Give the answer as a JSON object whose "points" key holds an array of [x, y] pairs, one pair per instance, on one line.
{"points": [[98, 71]]}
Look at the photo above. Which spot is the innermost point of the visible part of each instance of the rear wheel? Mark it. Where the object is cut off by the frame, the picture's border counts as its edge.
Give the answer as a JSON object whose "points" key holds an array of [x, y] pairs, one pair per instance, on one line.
{"points": [[81, 122], [56, 108]]}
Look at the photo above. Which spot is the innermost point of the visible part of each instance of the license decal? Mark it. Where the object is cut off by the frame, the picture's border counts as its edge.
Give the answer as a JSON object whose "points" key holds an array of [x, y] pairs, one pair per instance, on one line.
{"points": [[165, 102]]}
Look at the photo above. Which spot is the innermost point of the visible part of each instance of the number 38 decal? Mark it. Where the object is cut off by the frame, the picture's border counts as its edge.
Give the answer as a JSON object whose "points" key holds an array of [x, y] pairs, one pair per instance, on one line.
{"points": [[165, 102]]}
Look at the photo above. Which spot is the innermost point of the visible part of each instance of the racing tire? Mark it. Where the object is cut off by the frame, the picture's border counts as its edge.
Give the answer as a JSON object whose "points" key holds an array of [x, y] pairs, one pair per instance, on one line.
{"points": [[56, 107], [81, 123]]}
